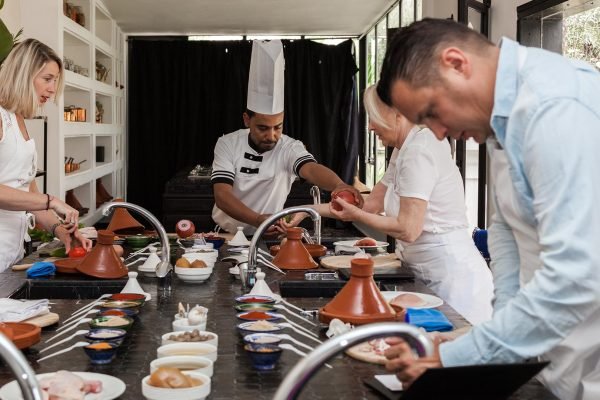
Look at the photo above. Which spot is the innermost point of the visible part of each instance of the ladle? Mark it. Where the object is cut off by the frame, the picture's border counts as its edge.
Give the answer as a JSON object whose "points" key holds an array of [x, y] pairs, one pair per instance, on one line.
{"points": [[305, 319], [291, 338], [66, 321], [295, 350], [81, 321], [78, 344], [298, 331], [79, 332]]}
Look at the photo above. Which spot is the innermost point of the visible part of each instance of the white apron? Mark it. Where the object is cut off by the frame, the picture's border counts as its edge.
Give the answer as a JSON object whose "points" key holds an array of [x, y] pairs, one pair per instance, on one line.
{"points": [[18, 161], [450, 265], [574, 370]]}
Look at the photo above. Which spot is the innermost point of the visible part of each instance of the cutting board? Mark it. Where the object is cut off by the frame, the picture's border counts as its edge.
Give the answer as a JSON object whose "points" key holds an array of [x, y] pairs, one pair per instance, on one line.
{"points": [[337, 262], [43, 320], [23, 267]]}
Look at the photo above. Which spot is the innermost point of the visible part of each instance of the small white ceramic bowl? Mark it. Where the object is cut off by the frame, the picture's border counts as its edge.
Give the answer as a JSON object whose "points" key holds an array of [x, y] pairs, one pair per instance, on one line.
{"points": [[204, 256], [193, 274], [188, 349], [182, 325], [194, 393], [199, 246], [185, 363], [214, 338]]}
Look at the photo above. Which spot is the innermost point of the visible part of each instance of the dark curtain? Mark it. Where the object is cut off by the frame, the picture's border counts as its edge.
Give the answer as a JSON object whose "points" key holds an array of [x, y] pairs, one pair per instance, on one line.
{"points": [[184, 94]]}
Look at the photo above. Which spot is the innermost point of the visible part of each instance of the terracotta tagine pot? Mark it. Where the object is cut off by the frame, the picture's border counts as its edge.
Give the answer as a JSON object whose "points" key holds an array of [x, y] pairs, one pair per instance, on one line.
{"points": [[122, 222], [360, 301], [293, 254], [103, 262], [315, 250]]}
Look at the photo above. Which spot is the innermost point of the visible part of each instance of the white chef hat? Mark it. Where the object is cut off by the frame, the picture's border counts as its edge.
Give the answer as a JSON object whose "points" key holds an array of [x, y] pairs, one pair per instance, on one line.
{"points": [[266, 78]]}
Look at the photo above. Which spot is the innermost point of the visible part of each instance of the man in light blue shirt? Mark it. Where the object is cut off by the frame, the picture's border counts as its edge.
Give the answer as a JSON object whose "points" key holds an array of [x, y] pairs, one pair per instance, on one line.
{"points": [[540, 115]]}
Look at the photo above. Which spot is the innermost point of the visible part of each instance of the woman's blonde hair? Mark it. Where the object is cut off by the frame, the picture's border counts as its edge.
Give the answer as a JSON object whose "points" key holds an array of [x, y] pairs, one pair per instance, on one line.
{"points": [[375, 108], [25, 61]]}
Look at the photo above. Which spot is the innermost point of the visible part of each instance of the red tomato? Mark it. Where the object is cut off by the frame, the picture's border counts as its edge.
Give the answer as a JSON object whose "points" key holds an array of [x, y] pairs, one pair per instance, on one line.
{"points": [[346, 196], [77, 252]]}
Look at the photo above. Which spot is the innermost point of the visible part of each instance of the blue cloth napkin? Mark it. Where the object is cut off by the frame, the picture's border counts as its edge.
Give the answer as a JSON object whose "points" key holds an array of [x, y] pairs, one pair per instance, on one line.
{"points": [[41, 269], [428, 319]]}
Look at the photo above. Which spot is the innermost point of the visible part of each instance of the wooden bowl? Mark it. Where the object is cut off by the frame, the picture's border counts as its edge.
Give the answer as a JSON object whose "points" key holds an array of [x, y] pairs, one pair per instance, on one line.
{"points": [[24, 334]]}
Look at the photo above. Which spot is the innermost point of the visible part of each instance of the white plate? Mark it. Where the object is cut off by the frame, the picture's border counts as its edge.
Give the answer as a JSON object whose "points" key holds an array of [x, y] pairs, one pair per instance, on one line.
{"points": [[111, 387], [431, 301], [350, 243]]}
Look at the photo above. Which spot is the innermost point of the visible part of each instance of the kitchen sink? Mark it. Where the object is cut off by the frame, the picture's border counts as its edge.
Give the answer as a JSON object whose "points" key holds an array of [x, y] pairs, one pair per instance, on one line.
{"points": [[68, 289]]}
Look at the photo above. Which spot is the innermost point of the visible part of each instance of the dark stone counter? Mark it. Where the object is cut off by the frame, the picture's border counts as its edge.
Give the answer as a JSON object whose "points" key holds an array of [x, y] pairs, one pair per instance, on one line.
{"points": [[233, 377]]}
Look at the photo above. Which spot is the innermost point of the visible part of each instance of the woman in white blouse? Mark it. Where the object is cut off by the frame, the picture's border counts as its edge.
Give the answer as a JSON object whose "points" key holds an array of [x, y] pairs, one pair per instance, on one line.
{"points": [[422, 196], [30, 76]]}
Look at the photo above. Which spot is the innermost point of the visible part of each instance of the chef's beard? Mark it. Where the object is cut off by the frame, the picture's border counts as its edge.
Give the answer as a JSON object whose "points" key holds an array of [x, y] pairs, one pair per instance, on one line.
{"points": [[266, 146]]}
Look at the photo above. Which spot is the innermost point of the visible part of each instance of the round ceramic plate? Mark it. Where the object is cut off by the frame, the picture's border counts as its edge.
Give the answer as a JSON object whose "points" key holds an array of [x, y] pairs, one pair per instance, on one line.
{"points": [[351, 243], [430, 300], [111, 387]]}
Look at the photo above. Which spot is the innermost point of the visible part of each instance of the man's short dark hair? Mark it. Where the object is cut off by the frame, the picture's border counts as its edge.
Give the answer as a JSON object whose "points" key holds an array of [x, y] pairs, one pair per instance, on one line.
{"points": [[250, 113], [411, 54]]}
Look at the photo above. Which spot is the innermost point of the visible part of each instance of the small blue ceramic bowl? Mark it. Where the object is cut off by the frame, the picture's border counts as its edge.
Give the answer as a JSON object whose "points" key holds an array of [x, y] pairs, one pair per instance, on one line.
{"points": [[262, 338], [217, 241], [122, 312], [246, 328], [269, 316], [115, 336], [251, 298], [101, 356], [264, 357]]}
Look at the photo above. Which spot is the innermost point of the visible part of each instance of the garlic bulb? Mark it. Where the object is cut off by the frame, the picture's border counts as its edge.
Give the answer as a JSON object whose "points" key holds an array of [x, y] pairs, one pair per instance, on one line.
{"points": [[197, 315]]}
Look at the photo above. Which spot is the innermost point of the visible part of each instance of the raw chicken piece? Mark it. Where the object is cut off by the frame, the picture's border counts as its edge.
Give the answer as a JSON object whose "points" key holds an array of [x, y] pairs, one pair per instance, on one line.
{"points": [[407, 300], [65, 385], [366, 242]]}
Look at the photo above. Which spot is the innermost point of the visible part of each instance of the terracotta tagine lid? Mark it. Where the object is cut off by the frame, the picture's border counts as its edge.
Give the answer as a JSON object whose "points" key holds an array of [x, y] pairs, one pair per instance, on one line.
{"points": [[103, 262], [122, 222], [315, 250], [293, 254], [6, 330], [360, 301]]}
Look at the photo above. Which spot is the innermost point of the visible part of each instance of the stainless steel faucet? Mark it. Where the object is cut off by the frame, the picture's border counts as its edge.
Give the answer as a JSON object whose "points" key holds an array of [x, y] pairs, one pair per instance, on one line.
{"points": [[297, 378], [248, 271], [315, 192], [30, 388], [164, 269]]}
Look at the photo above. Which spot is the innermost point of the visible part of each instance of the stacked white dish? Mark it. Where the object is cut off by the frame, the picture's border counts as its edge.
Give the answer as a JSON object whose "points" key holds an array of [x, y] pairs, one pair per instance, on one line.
{"points": [[194, 274]]}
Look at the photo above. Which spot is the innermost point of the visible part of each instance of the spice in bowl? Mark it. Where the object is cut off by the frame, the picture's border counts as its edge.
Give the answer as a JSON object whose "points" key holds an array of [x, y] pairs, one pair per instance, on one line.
{"points": [[258, 315]]}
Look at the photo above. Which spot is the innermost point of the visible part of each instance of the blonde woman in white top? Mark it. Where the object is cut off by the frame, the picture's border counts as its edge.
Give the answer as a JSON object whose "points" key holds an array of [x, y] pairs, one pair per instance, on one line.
{"points": [[422, 196], [30, 76]]}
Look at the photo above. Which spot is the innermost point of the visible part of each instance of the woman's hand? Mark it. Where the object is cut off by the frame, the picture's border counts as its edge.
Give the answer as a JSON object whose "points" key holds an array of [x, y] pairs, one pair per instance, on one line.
{"points": [[407, 367], [72, 239], [69, 215], [349, 212]]}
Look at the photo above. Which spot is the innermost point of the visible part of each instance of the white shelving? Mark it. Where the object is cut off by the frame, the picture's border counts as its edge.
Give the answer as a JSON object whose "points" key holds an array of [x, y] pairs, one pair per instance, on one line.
{"points": [[97, 40]]}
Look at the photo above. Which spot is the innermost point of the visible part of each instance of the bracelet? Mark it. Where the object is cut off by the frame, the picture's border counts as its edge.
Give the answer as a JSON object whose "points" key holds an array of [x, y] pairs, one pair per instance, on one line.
{"points": [[53, 228], [48, 200]]}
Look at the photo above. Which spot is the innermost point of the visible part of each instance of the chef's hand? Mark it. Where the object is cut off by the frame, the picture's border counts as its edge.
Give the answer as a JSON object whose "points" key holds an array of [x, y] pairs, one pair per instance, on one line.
{"points": [[296, 219], [74, 239], [403, 362], [276, 228], [349, 212], [69, 215], [349, 188]]}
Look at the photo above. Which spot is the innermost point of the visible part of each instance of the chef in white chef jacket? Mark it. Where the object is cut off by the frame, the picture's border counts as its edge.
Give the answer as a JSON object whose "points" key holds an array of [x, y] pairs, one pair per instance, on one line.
{"points": [[254, 168]]}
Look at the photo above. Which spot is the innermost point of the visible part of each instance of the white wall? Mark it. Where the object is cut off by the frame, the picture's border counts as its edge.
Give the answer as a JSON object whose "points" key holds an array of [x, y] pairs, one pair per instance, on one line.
{"points": [[440, 8], [11, 15]]}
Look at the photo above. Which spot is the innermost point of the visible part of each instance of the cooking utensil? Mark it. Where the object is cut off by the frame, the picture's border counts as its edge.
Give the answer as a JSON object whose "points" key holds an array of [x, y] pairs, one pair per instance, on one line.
{"points": [[288, 346], [283, 317], [67, 323], [78, 344], [284, 308], [90, 305], [79, 332], [298, 331], [291, 338], [81, 321]]}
